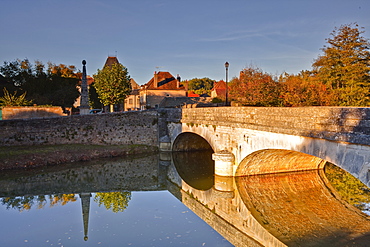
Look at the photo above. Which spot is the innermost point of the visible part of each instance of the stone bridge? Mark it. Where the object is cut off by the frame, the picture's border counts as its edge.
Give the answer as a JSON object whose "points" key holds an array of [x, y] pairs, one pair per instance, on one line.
{"points": [[244, 140], [250, 140]]}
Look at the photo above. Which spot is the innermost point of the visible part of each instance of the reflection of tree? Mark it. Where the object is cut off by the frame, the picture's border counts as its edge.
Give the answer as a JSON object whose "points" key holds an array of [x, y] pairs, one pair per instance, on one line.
{"points": [[22, 203], [116, 201], [349, 188]]}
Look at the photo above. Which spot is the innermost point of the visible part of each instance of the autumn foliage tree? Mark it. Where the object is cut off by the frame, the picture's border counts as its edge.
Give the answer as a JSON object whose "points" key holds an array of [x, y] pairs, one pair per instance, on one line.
{"points": [[304, 89], [345, 66], [255, 88]]}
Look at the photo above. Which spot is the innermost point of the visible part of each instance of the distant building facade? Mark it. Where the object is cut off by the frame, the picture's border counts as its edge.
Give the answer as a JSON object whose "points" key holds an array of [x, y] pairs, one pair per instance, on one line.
{"points": [[133, 102], [162, 85], [219, 90]]}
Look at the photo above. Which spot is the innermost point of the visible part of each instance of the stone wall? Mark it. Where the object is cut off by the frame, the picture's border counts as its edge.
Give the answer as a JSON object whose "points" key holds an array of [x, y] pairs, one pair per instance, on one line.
{"points": [[23, 112], [111, 128], [344, 124]]}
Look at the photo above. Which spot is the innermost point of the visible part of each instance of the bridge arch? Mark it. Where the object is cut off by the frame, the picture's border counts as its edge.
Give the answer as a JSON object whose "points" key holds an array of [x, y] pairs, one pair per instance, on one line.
{"points": [[268, 161], [188, 141], [192, 157], [232, 144]]}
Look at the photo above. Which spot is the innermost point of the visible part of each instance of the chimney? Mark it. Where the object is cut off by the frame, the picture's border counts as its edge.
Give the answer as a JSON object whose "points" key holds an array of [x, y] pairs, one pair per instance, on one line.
{"points": [[186, 85], [178, 80], [155, 77], [241, 75]]}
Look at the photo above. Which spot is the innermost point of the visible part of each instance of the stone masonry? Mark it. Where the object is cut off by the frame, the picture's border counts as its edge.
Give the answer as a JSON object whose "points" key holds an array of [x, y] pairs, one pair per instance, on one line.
{"points": [[344, 124], [113, 129]]}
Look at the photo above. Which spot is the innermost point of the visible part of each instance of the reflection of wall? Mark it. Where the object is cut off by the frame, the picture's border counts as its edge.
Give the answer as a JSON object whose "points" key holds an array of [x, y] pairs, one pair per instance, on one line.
{"points": [[293, 209], [223, 210], [229, 216], [93, 176]]}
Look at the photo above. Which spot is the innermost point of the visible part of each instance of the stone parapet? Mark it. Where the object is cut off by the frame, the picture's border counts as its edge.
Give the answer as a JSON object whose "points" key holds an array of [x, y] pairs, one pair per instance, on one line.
{"points": [[343, 124]]}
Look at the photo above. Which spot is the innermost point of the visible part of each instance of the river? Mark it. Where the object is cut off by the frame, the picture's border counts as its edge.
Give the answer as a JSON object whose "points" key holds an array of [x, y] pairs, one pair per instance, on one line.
{"points": [[176, 200]]}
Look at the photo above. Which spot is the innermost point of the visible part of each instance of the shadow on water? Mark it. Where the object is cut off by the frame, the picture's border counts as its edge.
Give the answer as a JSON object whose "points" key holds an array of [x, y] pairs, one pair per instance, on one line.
{"points": [[196, 168]]}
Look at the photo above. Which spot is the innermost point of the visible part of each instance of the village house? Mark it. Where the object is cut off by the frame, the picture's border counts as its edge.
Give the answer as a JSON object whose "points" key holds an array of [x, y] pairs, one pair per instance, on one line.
{"points": [[162, 85], [219, 90], [132, 102]]}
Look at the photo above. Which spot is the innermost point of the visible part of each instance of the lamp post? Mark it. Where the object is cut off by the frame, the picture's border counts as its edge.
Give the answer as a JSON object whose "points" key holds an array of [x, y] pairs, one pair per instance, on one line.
{"points": [[227, 70]]}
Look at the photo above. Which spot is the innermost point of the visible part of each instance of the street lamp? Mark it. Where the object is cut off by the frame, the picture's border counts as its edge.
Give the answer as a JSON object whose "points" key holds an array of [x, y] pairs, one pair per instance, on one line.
{"points": [[227, 70]]}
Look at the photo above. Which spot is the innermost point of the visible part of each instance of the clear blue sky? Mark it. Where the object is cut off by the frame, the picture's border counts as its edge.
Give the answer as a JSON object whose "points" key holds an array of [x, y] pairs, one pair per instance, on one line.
{"points": [[193, 38]]}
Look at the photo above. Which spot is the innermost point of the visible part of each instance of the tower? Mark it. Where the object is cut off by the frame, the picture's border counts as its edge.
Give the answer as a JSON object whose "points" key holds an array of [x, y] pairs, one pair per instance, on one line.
{"points": [[84, 105]]}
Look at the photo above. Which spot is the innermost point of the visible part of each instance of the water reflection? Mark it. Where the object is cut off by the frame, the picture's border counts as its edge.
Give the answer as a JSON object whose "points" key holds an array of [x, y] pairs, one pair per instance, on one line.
{"points": [[196, 168], [290, 209], [300, 209], [348, 188]]}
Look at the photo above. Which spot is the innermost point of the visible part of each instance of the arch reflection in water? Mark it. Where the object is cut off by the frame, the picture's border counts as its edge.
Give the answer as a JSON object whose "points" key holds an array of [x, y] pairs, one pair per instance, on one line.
{"points": [[196, 168], [301, 209]]}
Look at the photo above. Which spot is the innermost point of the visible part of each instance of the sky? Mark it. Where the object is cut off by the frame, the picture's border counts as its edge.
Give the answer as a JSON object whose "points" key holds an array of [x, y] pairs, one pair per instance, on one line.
{"points": [[192, 38]]}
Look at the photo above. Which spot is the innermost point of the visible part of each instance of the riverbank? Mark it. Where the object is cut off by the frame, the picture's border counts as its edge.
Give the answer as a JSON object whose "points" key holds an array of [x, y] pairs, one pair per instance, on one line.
{"points": [[26, 157]]}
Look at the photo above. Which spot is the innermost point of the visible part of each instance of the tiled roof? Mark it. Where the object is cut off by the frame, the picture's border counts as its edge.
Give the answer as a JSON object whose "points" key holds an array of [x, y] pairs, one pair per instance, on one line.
{"points": [[219, 89], [164, 81], [192, 94], [219, 85], [88, 78], [134, 85], [110, 61]]}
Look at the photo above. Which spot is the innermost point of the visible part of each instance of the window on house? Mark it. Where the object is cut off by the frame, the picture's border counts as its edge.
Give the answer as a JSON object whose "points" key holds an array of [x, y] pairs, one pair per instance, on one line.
{"points": [[130, 101]]}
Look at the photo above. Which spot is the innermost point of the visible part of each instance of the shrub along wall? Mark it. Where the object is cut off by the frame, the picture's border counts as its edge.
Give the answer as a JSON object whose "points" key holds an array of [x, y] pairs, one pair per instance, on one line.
{"points": [[114, 129], [22, 112]]}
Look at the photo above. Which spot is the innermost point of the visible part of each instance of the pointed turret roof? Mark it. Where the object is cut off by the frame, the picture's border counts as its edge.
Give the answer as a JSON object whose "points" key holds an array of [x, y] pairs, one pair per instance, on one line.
{"points": [[134, 85], [110, 61]]}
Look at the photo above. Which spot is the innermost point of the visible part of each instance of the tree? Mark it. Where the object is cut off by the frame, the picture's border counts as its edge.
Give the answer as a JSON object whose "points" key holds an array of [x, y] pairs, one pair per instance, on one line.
{"points": [[112, 84], [304, 89], [345, 66], [201, 86], [94, 101], [117, 201], [55, 86], [255, 87], [22, 203], [348, 187]]}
